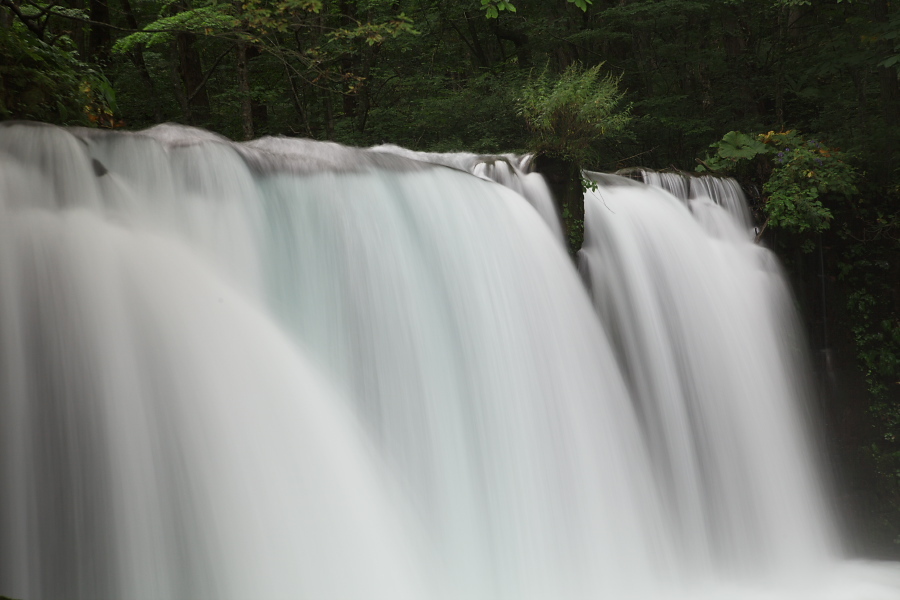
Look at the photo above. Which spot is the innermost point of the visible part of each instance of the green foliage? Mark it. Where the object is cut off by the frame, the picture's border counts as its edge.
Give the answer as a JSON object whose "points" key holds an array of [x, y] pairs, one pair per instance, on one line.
{"points": [[48, 83], [568, 114], [735, 146], [440, 114], [376, 33], [493, 8], [879, 344], [215, 19], [574, 230], [868, 267], [800, 174], [257, 21]]}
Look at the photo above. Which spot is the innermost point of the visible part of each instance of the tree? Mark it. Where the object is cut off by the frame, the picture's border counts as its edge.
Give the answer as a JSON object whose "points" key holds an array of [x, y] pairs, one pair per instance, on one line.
{"points": [[42, 77]]}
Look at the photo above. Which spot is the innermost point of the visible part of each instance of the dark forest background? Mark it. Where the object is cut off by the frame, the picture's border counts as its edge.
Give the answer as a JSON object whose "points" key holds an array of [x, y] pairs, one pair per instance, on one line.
{"points": [[811, 85]]}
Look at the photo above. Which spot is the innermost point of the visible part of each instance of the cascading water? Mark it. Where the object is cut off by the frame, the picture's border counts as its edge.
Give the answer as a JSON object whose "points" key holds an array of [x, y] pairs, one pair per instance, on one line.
{"points": [[711, 357], [288, 369], [509, 170], [723, 191]]}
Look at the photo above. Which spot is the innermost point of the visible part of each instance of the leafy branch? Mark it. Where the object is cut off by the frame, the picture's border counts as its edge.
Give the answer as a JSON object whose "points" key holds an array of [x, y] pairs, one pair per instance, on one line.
{"points": [[493, 8]]}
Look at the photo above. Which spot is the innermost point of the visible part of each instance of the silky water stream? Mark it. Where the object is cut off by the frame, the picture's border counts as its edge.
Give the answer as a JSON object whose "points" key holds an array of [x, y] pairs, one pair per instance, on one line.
{"points": [[291, 369]]}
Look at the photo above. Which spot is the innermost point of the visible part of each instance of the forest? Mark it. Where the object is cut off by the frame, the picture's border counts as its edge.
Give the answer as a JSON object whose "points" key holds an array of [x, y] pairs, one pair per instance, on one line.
{"points": [[797, 99]]}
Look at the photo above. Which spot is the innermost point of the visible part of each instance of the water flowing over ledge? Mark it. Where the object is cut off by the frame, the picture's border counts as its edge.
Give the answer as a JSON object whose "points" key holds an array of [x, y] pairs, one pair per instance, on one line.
{"points": [[291, 369]]}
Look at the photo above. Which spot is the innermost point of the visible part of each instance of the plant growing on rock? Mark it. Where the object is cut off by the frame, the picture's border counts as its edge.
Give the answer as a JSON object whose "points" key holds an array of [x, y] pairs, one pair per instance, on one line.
{"points": [[566, 116]]}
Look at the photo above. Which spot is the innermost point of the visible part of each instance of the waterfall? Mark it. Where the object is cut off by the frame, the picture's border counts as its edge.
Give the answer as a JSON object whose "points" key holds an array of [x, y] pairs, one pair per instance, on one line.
{"points": [[293, 369], [701, 321], [509, 170], [722, 191]]}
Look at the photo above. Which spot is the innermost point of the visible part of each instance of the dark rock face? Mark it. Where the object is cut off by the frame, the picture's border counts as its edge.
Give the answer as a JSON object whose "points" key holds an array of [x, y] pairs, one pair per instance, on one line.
{"points": [[564, 179]]}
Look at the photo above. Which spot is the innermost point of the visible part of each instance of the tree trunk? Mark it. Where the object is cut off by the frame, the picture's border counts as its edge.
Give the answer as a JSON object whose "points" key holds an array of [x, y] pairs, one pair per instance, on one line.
{"points": [[481, 56], [365, 93], [329, 116], [519, 39], [298, 102], [890, 94], [178, 84], [349, 62], [192, 76], [78, 32], [243, 75], [99, 40], [137, 58]]}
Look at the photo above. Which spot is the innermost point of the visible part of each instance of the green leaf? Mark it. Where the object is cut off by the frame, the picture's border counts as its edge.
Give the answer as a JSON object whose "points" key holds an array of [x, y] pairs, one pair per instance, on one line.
{"points": [[736, 146]]}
